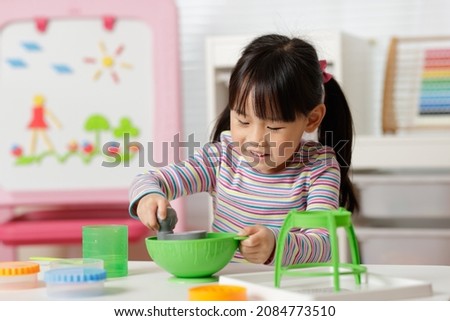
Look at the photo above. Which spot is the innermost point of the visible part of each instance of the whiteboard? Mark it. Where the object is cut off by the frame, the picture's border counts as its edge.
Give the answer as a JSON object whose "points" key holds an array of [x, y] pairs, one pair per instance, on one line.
{"points": [[84, 73], [81, 82]]}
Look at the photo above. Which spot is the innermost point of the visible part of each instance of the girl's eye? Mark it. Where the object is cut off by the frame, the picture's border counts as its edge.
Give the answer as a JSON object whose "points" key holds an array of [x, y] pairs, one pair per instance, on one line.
{"points": [[243, 122], [274, 129]]}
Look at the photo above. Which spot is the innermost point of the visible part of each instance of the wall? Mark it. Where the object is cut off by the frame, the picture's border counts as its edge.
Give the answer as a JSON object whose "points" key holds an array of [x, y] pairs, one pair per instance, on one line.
{"points": [[375, 21]]}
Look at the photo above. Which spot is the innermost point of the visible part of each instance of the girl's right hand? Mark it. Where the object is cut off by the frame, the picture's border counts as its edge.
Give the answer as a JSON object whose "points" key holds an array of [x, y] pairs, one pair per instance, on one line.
{"points": [[150, 207]]}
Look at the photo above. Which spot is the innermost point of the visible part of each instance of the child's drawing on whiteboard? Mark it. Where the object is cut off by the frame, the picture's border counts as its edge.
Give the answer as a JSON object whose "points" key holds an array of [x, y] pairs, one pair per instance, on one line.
{"points": [[38, 124], [100, 84], [95, 124]]}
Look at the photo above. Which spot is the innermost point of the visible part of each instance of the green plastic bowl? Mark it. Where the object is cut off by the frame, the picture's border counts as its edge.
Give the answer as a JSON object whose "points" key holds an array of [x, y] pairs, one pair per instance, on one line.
{"points": [[199, 258]]}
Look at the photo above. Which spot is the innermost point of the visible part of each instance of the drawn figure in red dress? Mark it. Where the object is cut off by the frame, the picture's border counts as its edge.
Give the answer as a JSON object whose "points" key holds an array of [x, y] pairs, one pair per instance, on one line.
{"points": [[38, 124]]}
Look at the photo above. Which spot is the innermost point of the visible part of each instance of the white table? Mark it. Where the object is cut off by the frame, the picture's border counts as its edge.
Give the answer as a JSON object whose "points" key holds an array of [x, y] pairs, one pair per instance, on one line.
{"points": [[146, 282]]}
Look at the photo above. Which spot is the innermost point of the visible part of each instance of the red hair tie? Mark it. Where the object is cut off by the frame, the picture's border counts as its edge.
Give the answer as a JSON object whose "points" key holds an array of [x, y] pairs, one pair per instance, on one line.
{"points": [[326, 76]]}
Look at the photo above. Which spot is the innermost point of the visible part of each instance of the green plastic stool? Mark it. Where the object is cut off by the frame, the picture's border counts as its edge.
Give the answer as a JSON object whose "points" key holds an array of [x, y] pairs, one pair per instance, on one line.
{"points": [[329, 220]]}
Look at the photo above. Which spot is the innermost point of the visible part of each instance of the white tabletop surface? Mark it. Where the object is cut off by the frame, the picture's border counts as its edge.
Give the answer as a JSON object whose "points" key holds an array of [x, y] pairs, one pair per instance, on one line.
{"points": [[146, 282]]}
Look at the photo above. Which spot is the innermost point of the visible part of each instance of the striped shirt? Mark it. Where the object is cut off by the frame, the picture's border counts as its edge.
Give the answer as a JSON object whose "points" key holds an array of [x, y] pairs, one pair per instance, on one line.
{"points": [[243, 196]]}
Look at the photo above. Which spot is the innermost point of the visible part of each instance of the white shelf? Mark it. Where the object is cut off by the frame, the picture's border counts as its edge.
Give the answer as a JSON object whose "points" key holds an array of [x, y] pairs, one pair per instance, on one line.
{"points": [[401, 152], [370, 152]]}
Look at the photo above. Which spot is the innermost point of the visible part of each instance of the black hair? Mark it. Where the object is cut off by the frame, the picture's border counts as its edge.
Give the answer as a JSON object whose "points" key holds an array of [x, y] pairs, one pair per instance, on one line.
{"points": [[284, 76]]}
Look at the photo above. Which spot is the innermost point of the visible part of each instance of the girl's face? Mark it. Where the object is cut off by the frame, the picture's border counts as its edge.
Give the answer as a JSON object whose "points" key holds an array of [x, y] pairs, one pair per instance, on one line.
{"points": [[267, 145]]}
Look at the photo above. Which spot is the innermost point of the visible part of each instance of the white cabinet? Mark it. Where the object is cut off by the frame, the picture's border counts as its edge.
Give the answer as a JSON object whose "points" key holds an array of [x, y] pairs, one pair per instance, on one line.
{"points": [[404, 181]]}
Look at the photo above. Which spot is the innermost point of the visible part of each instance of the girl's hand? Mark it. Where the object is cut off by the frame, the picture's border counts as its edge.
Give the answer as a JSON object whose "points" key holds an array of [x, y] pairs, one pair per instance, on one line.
{"points": [[260, 244], [149, 207]]}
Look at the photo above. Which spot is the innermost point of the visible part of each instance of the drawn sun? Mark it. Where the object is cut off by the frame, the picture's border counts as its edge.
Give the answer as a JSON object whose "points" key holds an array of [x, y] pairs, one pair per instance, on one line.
{"points": [[108, 63]]}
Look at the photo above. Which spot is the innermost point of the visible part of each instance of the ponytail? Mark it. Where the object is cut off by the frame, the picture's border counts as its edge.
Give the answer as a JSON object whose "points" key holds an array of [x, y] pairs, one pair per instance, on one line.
{"points": [[338, 124]]}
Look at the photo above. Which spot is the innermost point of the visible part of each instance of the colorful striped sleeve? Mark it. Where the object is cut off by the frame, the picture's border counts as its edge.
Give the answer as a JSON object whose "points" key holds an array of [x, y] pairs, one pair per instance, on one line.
{"points": [[196, 174]]}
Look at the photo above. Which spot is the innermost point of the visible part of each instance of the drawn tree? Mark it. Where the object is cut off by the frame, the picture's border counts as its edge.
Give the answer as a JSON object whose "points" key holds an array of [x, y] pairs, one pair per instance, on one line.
{"points": [[125, 127], [97, 123]]}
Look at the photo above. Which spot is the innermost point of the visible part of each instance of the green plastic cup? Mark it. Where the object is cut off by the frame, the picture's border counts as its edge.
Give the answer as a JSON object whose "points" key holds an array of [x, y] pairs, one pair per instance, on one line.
{"points": [[110, 244]]}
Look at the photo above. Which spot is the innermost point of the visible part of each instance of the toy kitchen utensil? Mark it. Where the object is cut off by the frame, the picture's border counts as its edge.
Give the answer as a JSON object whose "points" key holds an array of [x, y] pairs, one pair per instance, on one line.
{"points": [[167, 225]]}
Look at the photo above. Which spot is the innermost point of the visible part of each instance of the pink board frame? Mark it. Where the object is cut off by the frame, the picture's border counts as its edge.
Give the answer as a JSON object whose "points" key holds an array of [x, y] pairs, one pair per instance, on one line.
{"points": [[162, 18]]}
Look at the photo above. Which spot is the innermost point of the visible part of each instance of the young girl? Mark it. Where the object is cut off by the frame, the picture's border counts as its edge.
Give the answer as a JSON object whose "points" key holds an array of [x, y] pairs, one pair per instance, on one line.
{"points": [[257, 167]]}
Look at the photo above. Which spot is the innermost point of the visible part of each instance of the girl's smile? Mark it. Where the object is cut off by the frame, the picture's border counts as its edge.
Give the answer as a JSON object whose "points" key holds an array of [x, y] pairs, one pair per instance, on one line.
{"points": [[258, 156], [265, 144]]}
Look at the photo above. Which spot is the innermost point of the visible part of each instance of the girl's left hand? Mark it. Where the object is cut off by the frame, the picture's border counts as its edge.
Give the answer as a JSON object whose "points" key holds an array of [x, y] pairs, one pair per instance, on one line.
{"points": [[260, 244]]}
